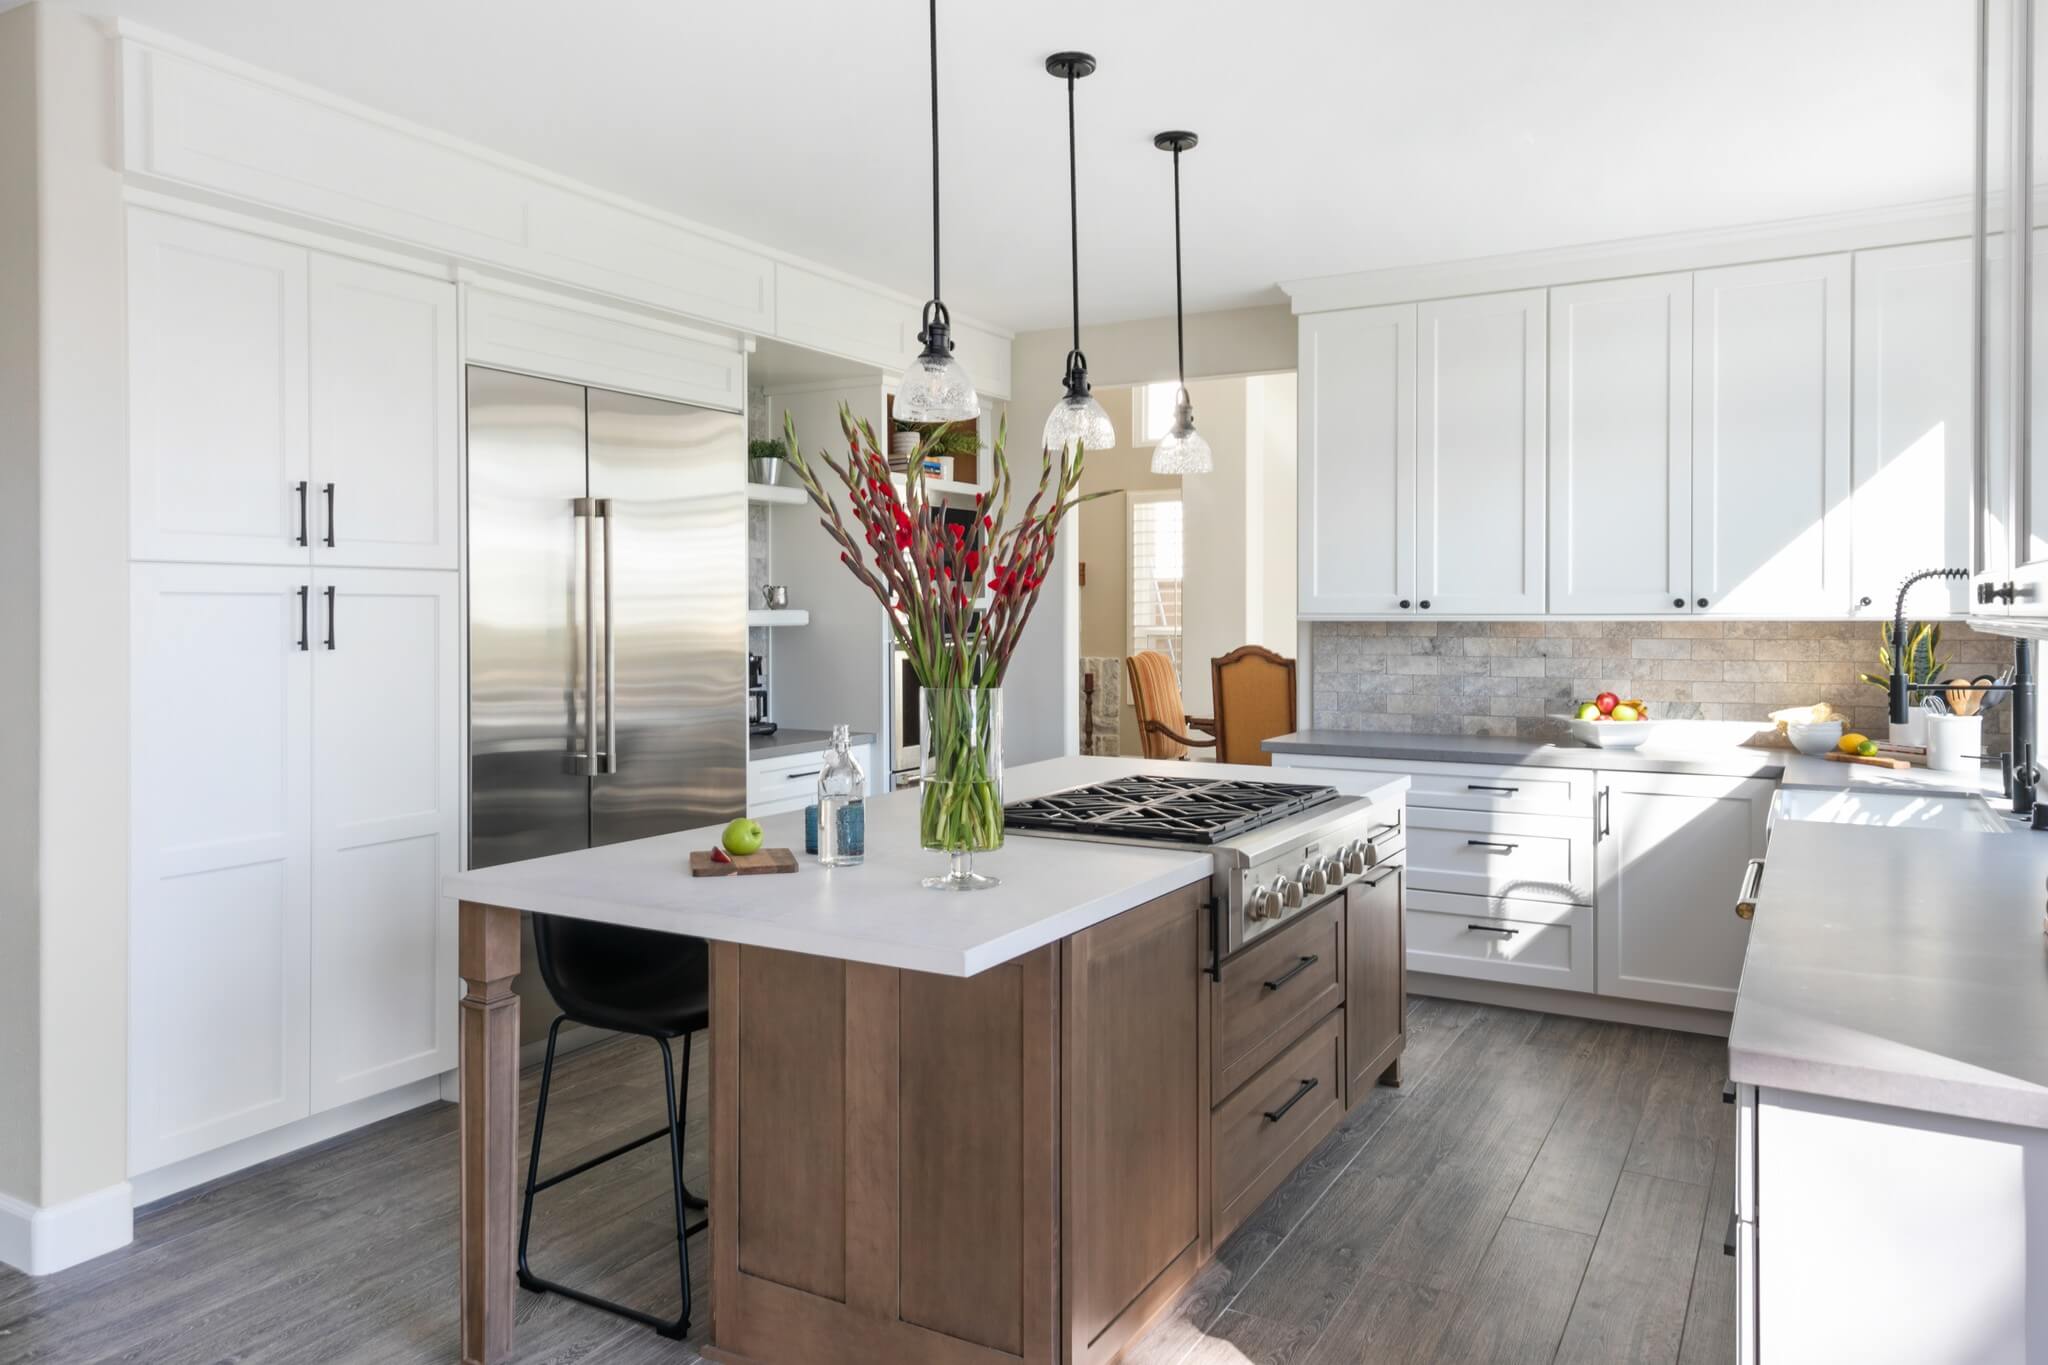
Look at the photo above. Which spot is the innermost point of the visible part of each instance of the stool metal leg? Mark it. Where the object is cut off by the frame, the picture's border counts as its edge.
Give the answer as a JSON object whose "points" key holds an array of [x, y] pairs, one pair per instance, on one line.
{"points": [[540, 1119], [690, 1200]]}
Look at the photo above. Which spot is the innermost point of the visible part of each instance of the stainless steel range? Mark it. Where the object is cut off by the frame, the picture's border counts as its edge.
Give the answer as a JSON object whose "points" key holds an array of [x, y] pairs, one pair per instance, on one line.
{"points": [[1279, 847]]}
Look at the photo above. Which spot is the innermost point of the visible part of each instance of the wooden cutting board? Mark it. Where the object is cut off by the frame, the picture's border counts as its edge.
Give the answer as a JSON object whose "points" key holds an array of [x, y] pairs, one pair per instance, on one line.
{"points": [[1874, 761], [702, 864]]}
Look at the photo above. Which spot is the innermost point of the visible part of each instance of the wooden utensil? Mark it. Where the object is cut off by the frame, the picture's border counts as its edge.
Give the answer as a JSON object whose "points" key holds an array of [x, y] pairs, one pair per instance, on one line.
{"points": [[702, 864], [1874, 761], [1964, 699]]}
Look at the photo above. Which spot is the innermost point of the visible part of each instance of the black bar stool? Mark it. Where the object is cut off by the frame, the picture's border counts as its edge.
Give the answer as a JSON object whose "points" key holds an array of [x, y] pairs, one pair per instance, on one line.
{"points": [[630, 981]]}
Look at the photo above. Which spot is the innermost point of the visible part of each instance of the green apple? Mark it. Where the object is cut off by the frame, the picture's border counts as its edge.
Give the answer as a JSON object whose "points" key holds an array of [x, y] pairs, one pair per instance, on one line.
{"points": [[1624, 712], [743, 836], [1589, 710]]}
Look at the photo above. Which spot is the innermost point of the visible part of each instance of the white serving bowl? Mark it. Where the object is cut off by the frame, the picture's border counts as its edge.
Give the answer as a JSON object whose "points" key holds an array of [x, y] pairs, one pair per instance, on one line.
{"points": [[1814, 736], [1609, 734]]}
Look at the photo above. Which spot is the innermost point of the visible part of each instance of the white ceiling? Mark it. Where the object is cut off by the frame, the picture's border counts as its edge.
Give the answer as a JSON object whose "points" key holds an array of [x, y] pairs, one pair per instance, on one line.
{"points": [[1337, 135]]}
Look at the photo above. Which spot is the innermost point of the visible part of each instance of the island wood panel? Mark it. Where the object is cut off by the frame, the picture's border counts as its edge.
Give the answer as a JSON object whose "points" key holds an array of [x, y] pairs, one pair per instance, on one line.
{"points": [[947, 1227], [1376, 997], [1274, 989], [1136, 1102], [1271, 1125]]}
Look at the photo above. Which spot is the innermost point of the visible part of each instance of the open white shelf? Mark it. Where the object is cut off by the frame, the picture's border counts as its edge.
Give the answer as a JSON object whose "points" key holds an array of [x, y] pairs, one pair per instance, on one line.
{"points": [[792, 616], [774, 492]]}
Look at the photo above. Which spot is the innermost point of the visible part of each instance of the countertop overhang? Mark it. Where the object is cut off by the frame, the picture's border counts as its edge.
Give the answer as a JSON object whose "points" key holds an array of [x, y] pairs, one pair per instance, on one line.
{"points": [[877, 913]]}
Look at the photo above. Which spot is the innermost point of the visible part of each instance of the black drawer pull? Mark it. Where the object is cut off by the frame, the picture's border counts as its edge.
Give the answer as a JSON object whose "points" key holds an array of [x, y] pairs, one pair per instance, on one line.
{"points": [[1389, 870], [1482, 787], [327, 491], [798, 777], [330, 618], [1275, 1115], [1494, 929], [1296, 970], [1493, 844], [305, 641], [302, 511]]}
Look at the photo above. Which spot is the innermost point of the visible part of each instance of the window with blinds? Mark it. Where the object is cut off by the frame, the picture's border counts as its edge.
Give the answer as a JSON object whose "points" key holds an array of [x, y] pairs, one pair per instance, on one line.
{"points": [[1156, 569]]}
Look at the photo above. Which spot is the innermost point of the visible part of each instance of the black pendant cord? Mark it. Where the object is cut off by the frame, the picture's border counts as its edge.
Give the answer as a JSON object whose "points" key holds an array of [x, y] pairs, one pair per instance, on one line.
{"points": [[1073, 214], [1180, 336], [935, 148]]}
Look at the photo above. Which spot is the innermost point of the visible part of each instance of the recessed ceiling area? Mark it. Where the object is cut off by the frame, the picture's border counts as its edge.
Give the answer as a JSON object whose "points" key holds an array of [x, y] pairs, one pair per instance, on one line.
{"points": [[1337, 135]]}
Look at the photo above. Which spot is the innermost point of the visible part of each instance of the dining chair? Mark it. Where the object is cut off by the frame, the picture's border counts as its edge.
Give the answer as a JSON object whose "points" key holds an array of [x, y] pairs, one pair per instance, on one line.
{"points": [[636, 981], [1163, 721], [1253, 690]]}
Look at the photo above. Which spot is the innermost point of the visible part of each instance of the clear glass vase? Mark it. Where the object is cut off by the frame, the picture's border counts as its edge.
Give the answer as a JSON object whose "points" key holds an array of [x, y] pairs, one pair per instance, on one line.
{"points": [[961, 800]]}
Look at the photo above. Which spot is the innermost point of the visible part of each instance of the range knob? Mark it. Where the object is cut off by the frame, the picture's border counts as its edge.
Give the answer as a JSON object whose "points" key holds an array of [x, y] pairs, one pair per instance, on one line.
{"points": [[1289, 893], [1357, 858], [1333, 870], [1310, 876], [1260, 905]]}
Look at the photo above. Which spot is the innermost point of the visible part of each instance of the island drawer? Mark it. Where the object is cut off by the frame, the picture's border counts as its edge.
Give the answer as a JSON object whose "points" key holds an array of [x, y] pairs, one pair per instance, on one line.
{"points": [[1499, 938], [1474, 786], [1260, 1134], [1273, 990], [1527, 857]]}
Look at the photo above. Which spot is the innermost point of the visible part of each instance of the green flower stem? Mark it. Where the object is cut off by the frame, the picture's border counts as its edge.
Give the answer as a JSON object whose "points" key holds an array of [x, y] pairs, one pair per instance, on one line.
{"points": [[961, 804]]}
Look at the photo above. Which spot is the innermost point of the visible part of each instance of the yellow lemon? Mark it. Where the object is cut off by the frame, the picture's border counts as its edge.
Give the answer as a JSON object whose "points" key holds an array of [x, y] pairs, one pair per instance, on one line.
{"points": [[1851, 742]]}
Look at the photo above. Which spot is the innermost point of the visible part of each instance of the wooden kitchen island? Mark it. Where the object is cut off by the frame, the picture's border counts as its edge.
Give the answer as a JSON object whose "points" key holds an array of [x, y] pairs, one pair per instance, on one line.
{"points": [[957, 1130]]}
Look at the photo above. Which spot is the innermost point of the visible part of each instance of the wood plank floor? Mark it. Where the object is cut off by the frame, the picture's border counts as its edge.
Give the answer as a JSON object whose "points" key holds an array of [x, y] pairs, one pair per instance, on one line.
{"points": [[1541, 1189]]}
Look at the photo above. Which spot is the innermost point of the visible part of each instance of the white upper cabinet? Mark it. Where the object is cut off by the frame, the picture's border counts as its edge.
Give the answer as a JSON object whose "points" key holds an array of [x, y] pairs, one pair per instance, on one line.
{"points": [[218, 466], [1771, 388], [1914, 425], [221, 809], [1479, 464], [1621, 447], [1356, 488], [384, 384], [387, 764]]}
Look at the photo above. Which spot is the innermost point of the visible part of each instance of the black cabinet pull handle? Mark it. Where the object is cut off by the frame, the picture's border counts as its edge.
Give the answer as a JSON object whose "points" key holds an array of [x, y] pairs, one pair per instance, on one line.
{"points": [[1701, 603], [1296, 970], [327, 491], [1494, 929], [1389, 870], [1493, 844], [1482, 787], [305, 641], [1425, 604], [1275, 1115], [302, 511], [1606, 811], [1678, 601], [798, 777], [330, 618], [1405, 604]]}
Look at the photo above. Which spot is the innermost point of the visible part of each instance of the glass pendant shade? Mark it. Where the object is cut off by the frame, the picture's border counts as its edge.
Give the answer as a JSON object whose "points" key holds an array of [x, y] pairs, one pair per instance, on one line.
{"points": [[935, 388], [1078, 418], [1182, 450]]}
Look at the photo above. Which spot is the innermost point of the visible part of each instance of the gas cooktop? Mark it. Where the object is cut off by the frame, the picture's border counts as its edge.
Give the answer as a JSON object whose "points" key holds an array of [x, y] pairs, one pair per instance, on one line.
{"points": [[1177, 810]]}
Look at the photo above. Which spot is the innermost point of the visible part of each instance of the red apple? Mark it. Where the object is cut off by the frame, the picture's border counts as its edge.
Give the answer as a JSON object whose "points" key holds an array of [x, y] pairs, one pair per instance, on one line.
{"points": [[1607, 701]]}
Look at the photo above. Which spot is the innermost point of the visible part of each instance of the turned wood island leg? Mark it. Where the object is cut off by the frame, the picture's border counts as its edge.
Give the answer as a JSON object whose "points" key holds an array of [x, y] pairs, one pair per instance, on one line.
{"points": [[489, 956]]}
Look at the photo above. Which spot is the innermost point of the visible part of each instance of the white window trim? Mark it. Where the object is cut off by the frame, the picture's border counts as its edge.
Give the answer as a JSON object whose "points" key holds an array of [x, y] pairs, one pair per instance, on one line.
{"points": [[1133, 498]]}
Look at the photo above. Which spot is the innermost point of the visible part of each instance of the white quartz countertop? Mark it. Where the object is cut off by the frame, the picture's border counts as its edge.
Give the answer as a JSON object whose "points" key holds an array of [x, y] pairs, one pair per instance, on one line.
{"points": [[877, 912], [1677, 747], [1900, 967]]}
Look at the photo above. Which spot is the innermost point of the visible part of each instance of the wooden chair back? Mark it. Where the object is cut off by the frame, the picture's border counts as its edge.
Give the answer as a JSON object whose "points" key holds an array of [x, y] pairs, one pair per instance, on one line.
{"points": [[1155, 693], [1254, 693]]}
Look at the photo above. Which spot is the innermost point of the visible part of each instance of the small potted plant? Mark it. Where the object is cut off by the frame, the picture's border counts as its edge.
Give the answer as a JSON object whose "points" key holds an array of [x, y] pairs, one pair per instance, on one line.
{"points": [[764, 460], [1924, 665]]}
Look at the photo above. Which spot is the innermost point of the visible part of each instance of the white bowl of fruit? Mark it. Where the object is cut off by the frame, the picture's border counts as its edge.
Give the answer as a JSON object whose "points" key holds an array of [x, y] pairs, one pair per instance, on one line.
{"points": [[1611, 722]]}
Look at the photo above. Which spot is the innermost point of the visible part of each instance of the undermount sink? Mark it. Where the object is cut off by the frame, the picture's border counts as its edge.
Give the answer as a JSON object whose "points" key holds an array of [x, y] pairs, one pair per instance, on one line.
{"points": [[1894, 810]]}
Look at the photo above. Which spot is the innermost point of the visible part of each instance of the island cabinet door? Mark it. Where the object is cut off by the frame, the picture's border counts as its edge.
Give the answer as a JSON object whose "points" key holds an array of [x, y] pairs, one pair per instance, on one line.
{"points": [[884, 1161], [1375, 986], [1134, 1080]]}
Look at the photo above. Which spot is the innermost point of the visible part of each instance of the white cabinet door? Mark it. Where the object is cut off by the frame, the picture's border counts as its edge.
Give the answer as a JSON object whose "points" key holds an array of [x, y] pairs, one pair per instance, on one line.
{"points": [[1479, 465], [387, 767], [216, 394], [1621, 447], [1770, 450], [1915, 427], [1671, 851], [1356, 484], [2028, 493], [385, 382], [219, 866]]}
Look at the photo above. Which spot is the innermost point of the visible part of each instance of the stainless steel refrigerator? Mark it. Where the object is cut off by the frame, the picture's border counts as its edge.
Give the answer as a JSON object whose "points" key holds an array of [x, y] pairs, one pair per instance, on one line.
{"points": [[607, 617]]}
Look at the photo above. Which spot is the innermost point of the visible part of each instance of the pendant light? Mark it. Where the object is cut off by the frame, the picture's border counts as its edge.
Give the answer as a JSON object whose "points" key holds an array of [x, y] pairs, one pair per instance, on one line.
{"points": [[1182, 450], [936, 388], [1076, 418]]}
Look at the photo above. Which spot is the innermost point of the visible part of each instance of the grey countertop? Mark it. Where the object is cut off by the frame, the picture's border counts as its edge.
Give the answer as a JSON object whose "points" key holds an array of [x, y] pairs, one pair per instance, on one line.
{"points": [[1678, 747], [1900, 967], [790, 740]]}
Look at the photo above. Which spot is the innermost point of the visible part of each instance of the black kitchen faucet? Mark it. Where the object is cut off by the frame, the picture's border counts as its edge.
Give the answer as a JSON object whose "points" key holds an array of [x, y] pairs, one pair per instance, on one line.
{"points": [[2016, 763]]}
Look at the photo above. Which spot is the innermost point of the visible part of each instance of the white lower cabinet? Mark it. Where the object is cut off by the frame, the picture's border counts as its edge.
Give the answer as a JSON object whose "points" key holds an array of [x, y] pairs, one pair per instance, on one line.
{"points": [[1671, 849], [780, 783], [1531, 943], [294, 808]]}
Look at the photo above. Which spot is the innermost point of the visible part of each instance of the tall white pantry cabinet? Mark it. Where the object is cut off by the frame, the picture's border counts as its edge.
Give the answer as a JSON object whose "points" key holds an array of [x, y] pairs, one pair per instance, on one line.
{"points": [[296, 690]]}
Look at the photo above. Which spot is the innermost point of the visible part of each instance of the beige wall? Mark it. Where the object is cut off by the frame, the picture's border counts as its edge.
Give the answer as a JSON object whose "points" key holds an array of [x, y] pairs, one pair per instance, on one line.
{"points": [[67, 763], [1042, 711], [1270, 419], [20, 1148], [1221, 516]]}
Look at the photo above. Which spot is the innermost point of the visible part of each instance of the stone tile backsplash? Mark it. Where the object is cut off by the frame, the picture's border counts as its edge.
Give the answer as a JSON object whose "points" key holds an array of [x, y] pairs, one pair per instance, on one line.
{"points": [[1508, 677]]}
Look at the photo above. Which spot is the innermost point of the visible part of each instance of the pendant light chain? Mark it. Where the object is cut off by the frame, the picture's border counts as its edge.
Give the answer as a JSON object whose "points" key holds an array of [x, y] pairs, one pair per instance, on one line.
{"points": [[934, 27]]}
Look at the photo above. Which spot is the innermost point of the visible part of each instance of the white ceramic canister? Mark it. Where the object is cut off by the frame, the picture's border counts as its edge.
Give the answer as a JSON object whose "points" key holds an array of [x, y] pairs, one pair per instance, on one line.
{"points": [[1955, 743]]}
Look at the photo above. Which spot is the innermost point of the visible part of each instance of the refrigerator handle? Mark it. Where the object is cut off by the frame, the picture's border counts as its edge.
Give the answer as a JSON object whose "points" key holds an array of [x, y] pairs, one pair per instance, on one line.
{"points": [[608, 759], [584, 763]]}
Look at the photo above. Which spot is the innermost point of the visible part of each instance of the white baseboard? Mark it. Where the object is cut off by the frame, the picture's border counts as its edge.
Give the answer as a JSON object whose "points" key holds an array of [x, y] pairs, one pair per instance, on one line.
{"points": [[43, 1241], [179, 1176], [1578, 1004]]}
